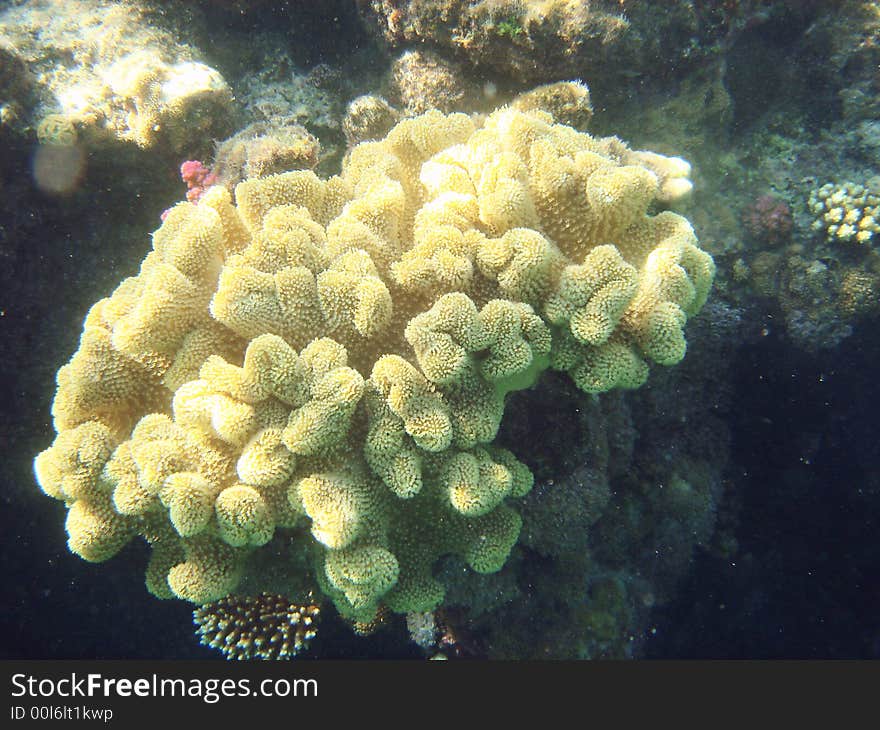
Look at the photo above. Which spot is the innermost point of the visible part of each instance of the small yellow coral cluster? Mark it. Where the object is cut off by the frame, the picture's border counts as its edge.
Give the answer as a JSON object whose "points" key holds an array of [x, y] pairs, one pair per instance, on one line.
{"points": [[328, 359], [848, 212]]}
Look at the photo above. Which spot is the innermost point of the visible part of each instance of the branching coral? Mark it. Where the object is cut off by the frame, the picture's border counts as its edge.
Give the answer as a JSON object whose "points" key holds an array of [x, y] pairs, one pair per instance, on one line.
{"points": [[267, 626], [334, 355]]}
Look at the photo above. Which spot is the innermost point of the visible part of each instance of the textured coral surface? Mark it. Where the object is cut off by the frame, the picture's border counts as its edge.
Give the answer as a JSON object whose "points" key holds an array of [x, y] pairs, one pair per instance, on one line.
{"points": [[326, 361], [109, 72]]}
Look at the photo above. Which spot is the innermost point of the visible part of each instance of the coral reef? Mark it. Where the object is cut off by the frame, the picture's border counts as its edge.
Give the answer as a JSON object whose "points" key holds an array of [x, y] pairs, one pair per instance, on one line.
{"points": [[627, 492], [768, 220], [329, 360], [568, 102], [847, 212], [820, 280], [184, 423], [421, 80], [821, 299], [859, 293], [265, 148], [111, 72], [280, 92], [764, 137], [266, 626], [608, 42], [368, 117], [507, 36], [848, 39]]}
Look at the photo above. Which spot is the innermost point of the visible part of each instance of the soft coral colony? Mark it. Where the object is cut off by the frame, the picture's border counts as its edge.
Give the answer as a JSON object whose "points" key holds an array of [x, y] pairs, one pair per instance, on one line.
{"points": [[326, 362]]}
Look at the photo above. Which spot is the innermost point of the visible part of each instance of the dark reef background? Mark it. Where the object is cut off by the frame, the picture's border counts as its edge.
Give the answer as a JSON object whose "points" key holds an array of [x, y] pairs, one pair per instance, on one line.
{"points": [[805, 582]]}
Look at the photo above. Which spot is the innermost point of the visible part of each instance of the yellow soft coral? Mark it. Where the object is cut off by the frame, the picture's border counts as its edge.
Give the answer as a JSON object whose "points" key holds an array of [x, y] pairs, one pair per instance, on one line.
{"points": [[326, 361]]}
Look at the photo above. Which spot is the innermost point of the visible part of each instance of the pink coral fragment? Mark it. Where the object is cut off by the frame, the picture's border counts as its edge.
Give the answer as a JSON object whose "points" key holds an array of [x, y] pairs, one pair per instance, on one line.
{"points": [[198, 179]]}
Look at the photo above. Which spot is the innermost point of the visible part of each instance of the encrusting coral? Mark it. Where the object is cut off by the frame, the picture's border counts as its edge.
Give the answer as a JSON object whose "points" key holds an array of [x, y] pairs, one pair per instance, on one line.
{"points": [[104, 73], [327, 360]]}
